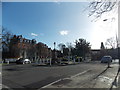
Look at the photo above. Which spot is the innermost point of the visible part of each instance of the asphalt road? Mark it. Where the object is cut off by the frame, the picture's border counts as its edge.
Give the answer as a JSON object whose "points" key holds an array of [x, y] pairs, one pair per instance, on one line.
{"points": [[35, 77]]}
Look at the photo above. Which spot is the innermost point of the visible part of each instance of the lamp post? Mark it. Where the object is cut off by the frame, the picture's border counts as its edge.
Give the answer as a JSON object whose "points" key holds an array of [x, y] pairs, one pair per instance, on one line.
{"points": [[118, 41], [54, 52], [118, 47], [54, 45], [119, 56]]}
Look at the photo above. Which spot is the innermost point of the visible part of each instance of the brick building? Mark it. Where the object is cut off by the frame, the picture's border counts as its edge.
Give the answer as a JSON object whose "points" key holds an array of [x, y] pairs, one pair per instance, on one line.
{"points": [[24, 48]]}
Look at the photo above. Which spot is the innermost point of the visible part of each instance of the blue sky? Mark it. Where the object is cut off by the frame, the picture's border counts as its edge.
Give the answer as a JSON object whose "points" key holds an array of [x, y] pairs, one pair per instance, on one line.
{"points": [[49, 22]]}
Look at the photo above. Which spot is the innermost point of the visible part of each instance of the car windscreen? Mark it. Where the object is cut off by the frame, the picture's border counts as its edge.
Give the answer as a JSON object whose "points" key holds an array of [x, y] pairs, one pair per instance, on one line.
{"points": [[106, 58]]}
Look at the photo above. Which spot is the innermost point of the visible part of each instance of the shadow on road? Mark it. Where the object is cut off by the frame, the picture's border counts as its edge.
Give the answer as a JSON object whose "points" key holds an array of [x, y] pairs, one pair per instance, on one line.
{"points": [[39, 84], [115, 83], [12, 69], [32, 86], [101, 73]]}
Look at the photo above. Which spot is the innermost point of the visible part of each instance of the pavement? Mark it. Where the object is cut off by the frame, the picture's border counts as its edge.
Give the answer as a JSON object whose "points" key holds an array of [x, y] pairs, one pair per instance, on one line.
{"points": [[118, 80], [106, 79]]}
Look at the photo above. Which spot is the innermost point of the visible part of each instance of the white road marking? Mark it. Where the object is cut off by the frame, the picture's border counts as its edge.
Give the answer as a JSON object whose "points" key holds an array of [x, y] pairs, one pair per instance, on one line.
{"points": [[65, 78], [51, 83], [80, 73]]}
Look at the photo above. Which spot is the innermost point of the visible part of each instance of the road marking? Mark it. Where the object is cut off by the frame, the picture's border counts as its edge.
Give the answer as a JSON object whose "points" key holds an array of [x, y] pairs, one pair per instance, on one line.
{"points": [[51, 83], [6, 87], [65, 78], [80, 73]]}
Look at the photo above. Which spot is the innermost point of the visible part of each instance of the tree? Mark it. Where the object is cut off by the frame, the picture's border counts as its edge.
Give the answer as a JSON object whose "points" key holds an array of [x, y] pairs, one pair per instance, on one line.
{"points": [[61, 47], [0, 40], [69, 45], [111, 42], [6, 37], [82, 47], [99, 7], [71, 50]]}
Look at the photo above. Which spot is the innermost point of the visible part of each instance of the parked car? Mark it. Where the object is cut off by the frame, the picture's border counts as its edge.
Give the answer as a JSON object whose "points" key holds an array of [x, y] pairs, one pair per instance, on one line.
{"points": [[10, 60], [78, 59], [23, 61], [106, 59]]}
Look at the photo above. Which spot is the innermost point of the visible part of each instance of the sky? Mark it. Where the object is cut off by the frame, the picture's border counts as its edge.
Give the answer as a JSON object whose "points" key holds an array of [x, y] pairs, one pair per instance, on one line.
{"points": [[59, 22]]}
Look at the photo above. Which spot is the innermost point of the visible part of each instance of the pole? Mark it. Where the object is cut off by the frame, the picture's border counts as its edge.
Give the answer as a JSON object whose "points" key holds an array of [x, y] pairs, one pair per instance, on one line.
{"points": [[54, 45], [119, 57], [54, 57], [50, 62], [69, 52], [8, 62]]}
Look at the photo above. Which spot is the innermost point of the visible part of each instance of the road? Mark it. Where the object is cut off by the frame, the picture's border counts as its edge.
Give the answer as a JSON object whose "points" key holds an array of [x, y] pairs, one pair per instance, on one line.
{"points": [[31, 76]]}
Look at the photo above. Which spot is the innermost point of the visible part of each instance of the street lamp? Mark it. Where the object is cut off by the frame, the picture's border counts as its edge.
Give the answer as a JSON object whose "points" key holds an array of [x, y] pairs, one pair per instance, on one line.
{"points": [[117, 41], [54, 52], [54, 45], [118, 47], [105, 19]]}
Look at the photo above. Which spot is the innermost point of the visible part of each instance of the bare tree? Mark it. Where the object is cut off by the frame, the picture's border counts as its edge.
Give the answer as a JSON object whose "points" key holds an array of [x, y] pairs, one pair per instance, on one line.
{"points": [[6, 36], [69, 45], [0, 39], [97, 8], [61, 46], [111, 42]]}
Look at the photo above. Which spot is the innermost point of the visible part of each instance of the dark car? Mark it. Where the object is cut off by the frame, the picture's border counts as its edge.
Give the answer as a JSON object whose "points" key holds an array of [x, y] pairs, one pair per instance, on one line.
{"points": [[106, 59], [23, 61]]}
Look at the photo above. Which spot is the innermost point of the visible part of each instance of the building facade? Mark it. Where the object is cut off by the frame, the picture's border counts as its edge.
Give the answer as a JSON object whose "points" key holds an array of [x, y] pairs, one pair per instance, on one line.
{"points": [[20, 47]]}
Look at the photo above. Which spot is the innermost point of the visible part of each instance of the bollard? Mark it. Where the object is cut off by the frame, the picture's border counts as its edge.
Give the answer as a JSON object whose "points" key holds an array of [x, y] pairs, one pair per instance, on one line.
{"points": [[74, 60], [44, 61], [40, 61], [79, 60], [7, 62], [60, 61], [109, 64], [50, 62]]}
